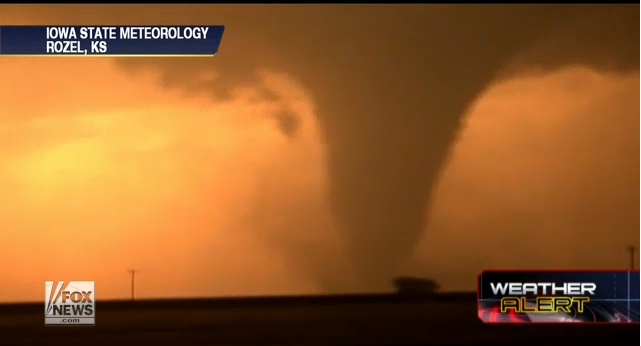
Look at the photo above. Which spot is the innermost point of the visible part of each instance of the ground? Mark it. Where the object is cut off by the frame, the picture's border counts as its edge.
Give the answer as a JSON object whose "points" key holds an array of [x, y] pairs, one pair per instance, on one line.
{"points": [[349, 320]]}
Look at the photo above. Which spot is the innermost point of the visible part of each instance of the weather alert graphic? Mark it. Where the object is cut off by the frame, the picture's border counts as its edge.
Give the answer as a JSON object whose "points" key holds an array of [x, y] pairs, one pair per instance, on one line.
{"points": [[558, 297]]}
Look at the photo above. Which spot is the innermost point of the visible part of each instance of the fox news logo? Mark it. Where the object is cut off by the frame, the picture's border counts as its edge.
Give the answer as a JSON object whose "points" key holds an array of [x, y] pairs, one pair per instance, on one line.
{"points": [[70, 303]]}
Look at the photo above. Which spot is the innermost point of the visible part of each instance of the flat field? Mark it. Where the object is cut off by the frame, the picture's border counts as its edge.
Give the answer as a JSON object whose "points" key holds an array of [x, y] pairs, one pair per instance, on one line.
{"points": [[335, 320]]}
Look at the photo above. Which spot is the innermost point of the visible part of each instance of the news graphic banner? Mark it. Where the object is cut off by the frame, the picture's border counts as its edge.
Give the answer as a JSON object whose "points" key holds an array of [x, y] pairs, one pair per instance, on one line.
{"points": [[70, 303], [559, 296], [110, 40]]}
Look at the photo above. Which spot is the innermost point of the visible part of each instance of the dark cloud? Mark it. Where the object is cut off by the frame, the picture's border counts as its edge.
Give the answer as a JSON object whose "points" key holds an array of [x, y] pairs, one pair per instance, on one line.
{"points": [[391, 84], [287, 122]]}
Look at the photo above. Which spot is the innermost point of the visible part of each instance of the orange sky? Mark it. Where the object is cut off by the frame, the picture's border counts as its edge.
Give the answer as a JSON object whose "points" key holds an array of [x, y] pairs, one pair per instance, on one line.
{"points": [[548, 162], [103, 170], [106, 171]]}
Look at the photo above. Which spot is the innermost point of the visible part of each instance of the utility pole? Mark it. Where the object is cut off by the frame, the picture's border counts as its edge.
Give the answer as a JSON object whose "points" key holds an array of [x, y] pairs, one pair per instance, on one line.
{"points": [[133, 283], [632, 249]]}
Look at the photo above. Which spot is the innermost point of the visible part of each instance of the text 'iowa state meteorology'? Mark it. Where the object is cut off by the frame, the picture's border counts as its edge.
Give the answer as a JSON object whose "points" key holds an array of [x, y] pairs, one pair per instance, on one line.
{"points": [[111, 40]]}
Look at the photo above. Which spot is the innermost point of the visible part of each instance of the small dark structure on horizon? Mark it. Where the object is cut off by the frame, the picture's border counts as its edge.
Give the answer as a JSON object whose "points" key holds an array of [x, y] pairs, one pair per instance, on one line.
{"points": [[411, 286]]}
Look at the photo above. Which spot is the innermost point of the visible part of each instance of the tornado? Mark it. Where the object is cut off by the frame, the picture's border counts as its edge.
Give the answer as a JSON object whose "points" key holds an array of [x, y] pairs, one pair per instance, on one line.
{"points": [[391, 83]]}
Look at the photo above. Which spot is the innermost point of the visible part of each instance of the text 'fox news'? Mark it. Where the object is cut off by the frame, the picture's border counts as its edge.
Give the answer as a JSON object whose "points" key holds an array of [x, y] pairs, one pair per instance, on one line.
{"points": [[559, 297], [70, 303]]}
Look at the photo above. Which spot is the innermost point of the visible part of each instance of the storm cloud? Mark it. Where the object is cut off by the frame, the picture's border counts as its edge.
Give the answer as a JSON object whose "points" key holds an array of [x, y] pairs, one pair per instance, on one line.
{"points": [[391, 85]]}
